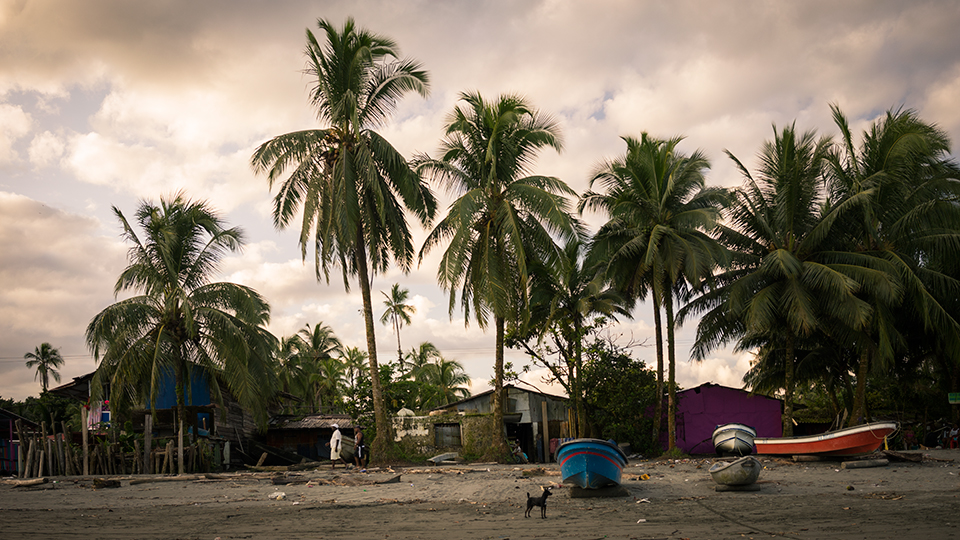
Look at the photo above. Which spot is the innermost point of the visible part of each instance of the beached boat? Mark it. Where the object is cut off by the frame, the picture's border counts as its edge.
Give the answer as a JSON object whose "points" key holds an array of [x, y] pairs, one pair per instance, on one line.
{"points": [[734, 439], [741, 472], [591, 463], [852, 441]]}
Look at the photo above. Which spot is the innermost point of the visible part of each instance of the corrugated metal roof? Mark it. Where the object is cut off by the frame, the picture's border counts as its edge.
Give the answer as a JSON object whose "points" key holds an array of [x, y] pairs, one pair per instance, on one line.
{"points": [[312, 422]]}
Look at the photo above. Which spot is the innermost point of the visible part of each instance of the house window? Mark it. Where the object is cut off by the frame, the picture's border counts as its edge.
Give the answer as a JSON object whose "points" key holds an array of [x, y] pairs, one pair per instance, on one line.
{"points": [[447, 435], [511, 405]]}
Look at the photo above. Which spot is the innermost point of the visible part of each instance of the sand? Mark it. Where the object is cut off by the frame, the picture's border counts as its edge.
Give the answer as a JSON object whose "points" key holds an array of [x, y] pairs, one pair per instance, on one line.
{"points": [[679, 500]]}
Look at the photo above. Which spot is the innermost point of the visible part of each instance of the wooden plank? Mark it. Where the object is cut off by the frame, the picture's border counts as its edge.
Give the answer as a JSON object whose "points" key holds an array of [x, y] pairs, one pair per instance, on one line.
{"points": [[864, 463]]}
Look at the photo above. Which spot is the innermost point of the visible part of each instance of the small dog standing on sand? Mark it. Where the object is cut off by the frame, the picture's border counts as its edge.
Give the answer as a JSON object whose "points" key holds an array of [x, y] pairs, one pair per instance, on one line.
{"points": [[540, 501]]}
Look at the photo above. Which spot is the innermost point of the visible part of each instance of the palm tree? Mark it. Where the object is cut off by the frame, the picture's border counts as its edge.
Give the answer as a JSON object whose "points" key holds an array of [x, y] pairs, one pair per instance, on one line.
{"points": [[896, 196], [785, 283], [443, 382], [657, 235], [421, 356], [564, 300], [501, 218], [353, 360], [181, 321], [351, 184], [47, 360], [398, 312], [317, 346]]}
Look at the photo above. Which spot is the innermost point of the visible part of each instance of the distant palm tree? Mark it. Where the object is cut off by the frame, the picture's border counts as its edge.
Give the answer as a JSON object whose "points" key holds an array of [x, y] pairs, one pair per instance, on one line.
{"points": [[443, 381], [353, 360], [182, 322], [47, 360], [398, 312], [351, 184], [657, 236], [501, 219], [319, 352]]}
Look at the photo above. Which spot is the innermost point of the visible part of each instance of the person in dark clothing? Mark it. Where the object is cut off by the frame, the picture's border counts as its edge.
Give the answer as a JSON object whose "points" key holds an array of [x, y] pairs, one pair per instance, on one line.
{"points": [[360, 449]]}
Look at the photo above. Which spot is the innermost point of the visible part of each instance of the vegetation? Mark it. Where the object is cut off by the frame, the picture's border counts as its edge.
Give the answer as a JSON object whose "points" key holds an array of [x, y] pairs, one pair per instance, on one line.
{"points": [[351, 185], [835, 263], [181, 322], [501, 219], [46, 359], [656, 239]]}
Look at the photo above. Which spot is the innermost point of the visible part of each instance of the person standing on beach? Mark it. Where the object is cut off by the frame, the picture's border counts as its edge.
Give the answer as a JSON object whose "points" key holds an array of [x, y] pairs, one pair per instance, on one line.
{"points": [[334, 445], [360, 450]]}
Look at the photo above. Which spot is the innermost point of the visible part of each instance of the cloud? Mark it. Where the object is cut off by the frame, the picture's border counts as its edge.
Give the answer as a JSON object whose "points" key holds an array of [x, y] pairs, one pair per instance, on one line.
{"points": [[14, 123], [53, 272]]}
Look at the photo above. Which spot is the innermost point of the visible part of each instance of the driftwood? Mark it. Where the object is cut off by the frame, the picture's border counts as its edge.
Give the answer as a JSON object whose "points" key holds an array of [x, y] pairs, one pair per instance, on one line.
{"points": [[902, 456], [100, 483], [181, 478], [864, 463], [26, 483]]}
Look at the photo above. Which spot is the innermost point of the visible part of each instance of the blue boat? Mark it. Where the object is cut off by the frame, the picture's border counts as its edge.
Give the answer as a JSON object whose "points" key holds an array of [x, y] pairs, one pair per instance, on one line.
{"points": [[591, 463]]}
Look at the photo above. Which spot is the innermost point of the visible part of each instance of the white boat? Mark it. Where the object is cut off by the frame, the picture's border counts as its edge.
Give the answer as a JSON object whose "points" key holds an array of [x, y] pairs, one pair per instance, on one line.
{"points": [[741, 472], [734, 439]]}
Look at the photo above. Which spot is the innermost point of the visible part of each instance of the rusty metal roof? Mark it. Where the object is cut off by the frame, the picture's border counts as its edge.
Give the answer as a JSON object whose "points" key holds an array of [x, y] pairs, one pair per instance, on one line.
{"points": [[319, 421]]}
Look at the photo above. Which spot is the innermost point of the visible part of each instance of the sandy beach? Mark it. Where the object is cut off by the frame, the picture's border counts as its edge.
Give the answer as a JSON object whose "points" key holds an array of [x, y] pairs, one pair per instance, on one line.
{"points": [[678, 500]]}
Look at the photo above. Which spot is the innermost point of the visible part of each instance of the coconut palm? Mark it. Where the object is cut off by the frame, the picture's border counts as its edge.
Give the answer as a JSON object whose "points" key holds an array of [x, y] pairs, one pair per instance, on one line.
{"points": [[318, 354], [564, 300], [353, 360], [398, 312], [350, 183], [785, 283], [421, 356], [46, 359], [443, 381], [657, 235], [181, 322], [896, 197], [501, 218]]}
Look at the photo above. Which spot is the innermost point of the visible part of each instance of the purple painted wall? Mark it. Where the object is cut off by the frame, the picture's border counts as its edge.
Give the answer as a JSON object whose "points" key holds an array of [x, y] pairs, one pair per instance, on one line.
{"points": [[700, 410]]}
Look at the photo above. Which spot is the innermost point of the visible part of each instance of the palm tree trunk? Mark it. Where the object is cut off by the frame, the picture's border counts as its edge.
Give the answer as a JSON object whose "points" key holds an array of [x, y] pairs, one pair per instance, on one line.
{"points": [[578, 384], [396, 327], [671, 380], [658, 406], [383, 441], [859, 415], [788, 365], [499, 442], [181, 413]]}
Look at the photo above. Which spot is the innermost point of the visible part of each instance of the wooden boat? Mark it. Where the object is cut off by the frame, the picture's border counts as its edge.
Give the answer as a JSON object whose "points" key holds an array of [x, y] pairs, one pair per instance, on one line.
{"points": [[734, 439], [591, 463], [741, 472], [852, 441]]}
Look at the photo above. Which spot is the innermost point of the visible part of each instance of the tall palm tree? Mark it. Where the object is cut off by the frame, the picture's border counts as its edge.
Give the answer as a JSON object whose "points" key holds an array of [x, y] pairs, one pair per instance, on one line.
{"points": [[351, 184], [353, 360], [47, 360], [564, 300], [897, 196], [785, 283], [501, 218], [660, 215], [180, 321], [444, 381], [398, 312]]}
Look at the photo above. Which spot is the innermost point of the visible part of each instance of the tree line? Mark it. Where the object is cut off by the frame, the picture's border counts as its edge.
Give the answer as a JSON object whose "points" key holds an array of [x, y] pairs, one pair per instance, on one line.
{"points": [[835, 261]]}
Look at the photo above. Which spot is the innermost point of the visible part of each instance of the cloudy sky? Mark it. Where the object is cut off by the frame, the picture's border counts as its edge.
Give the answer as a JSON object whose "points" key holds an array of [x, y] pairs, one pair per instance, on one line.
{"points": [[106, 103]]}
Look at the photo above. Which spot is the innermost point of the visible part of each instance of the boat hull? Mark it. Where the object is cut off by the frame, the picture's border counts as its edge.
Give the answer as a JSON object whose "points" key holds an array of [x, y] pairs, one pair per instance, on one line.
{"points": [[853, 441], [742, 472], [734, 439], [591, 463]]}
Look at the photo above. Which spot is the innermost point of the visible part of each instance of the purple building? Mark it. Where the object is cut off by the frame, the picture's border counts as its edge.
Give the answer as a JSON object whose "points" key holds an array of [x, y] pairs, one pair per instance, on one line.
{"points": [[700, 410]]}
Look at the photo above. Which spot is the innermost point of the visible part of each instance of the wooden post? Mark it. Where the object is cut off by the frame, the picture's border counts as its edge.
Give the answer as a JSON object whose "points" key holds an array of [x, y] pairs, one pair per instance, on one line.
{"points": [[85, 414], [28, 470], [21, 457], [147, 443], [226, 455], [180, 449], [545, 420], [40, 472]]}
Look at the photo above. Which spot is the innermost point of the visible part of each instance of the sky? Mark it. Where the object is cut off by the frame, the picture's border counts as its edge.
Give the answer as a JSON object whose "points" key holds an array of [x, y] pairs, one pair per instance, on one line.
{"points": [[108, 103]]}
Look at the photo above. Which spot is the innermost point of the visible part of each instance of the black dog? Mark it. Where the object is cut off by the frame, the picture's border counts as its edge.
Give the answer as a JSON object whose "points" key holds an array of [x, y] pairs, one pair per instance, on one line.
{"points": [[540, 501]]}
